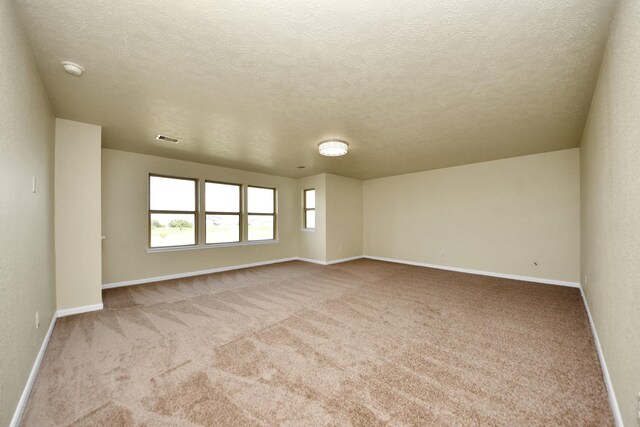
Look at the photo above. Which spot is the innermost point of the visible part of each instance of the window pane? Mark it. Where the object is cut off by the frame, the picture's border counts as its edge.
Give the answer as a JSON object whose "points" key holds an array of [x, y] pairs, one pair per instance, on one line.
{"points": [[223, 228], [311, 219], [172, 230], [261, 200], [261, 227], [310, 199], [222, 197], [170, 194]]}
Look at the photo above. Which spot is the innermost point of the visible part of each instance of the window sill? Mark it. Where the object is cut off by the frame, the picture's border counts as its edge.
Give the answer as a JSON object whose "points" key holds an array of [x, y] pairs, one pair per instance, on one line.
{"points": [[210, 246], [308, 230]]}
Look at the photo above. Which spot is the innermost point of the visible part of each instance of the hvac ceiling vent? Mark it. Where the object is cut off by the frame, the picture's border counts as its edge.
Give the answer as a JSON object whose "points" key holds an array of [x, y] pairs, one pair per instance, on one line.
{"points": [[169, 139]]}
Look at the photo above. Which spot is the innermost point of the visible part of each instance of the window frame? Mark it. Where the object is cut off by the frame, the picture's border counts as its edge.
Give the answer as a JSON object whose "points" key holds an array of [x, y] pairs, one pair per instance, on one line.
{"points": [[239, 213], [305, 208], [274, 214], [160, 211]]}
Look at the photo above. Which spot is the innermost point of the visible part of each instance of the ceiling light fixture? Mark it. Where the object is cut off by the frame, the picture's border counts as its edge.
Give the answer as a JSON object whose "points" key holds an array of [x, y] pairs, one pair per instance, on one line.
{"points": [[333, 148], [73, 68]]}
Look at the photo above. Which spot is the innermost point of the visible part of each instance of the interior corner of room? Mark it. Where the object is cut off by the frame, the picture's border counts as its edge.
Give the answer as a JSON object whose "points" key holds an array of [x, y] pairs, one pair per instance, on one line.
{"points": [[75, 215]]}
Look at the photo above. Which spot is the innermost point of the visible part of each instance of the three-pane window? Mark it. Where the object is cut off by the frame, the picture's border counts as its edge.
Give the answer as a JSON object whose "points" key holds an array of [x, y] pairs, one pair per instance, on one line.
{"points": [[310, 208], [173, 212], [173, 215]]}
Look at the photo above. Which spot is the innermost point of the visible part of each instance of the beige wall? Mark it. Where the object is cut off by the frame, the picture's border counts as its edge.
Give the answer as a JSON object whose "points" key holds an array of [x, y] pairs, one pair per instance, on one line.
{"points": [[499, 216], [125, 219], [611, 208], [27, 282], [312, 244], [78, 214], [343, 217]]}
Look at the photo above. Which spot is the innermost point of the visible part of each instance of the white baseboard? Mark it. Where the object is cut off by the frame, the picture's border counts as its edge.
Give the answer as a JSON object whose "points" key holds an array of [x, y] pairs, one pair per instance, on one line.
{"points": [[479, 272], [338, 261], [335, 261], [603, 365], [78, 310], [193, 273], [22, 403], [15, 421], [219, 270], [312, 261], [605, 372]]}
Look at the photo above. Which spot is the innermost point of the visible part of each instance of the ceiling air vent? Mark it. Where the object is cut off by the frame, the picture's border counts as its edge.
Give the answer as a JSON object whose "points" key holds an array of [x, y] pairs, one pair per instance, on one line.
{"points": [[166, 138]]}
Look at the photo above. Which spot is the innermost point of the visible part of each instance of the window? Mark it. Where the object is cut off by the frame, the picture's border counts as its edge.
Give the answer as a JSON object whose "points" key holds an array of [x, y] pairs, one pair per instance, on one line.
{"points": [[232, 213], [223, 206], [261, 213], [310, 208], [172, 211]]}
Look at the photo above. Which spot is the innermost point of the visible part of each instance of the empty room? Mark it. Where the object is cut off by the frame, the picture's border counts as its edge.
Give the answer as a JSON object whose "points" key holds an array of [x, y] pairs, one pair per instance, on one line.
{"points": [[341, 213]]}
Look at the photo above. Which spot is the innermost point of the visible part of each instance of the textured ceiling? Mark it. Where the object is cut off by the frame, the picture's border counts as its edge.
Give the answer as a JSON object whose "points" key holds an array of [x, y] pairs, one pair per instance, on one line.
{"points": [[256, 85]]}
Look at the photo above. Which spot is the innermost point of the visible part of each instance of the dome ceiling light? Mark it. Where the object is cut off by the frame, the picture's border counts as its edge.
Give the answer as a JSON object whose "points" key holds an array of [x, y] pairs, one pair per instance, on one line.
{"points": [[333, 148], [72, 68]]}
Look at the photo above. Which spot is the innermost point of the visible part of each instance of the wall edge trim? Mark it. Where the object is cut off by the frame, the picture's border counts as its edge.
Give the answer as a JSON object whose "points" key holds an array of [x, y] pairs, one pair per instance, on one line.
{"points": [[79, 310], [220, 270], [613, 402], [335, 261], [479, 272], [24, 398], [194, 273], [338, 261], [22, 403], [312, 261]]}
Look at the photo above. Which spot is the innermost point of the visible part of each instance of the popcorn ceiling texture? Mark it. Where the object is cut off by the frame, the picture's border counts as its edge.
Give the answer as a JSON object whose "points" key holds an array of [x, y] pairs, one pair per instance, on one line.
{"points": [[359, 343], [256, 85]]}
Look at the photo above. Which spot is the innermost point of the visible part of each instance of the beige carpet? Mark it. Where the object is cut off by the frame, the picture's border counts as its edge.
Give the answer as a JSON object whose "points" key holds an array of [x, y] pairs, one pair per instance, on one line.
{"points": [[359, 343]]}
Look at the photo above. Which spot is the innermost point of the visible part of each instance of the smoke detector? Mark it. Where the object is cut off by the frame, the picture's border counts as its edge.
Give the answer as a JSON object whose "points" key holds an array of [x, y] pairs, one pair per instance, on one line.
{"points": [[73, 68], [169, 139]]}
